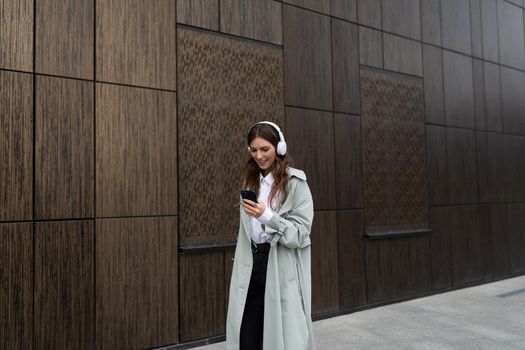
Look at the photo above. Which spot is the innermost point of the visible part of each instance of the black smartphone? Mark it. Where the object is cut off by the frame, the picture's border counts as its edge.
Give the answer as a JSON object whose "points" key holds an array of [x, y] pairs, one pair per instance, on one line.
{"points": [[249, 194]]}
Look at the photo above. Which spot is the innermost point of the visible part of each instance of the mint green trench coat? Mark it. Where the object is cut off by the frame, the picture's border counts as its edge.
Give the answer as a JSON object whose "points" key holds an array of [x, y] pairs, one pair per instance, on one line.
{"points": [[287, 299]]}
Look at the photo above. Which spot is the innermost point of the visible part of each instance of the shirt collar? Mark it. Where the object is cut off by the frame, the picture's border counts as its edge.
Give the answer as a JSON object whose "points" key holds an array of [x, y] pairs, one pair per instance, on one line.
{"points": [[268, 179]]}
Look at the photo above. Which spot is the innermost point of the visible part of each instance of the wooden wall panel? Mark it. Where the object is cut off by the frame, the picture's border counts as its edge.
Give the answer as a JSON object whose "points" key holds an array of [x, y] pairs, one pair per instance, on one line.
{"points": [[325, 279], [64, 174], [136, 42], [511, 35], [351, 258], [369, 13], [65, 38], [455, 25], [345, 66], [491, 78], [16, 41], [433, 82], [461, 166], [478, 93], [402, 17], [322, 6], [228, 270], [378, 271], [16, 294], [370, 47], [348, 163], [516, 222], [346, 9], [199, 13], [514, 167], [459, 91], [313, 152], [307, 59], [494, 241], [431, 21], [491, 167], [402, 55], [437, 165], [202, 288], [137, 282], [237, 17], [440, 245], [489, 26], [136, 158], [465, 244], [513, 103], [476, 28], [64, 285], [16, 146]]}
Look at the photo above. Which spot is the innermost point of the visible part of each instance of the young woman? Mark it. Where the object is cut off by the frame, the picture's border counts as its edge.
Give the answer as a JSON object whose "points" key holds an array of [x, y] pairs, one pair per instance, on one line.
{"points": [[270, 291]]}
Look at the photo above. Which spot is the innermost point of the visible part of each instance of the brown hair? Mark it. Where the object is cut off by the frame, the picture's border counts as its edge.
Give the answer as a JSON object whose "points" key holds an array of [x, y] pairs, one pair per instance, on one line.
{"points": [[279, 168]]}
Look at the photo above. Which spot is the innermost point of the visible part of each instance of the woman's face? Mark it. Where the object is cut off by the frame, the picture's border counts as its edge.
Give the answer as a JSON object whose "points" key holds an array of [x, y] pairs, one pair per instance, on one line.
{"points": [[263, 152]]}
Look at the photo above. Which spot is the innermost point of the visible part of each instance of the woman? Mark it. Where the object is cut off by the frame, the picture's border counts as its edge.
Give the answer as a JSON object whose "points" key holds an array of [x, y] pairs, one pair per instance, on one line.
{"points": [[270, 291]]}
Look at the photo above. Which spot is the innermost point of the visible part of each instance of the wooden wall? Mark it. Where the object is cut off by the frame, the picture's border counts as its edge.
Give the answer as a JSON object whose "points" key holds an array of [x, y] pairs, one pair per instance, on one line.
{"points": [[122, 136]]}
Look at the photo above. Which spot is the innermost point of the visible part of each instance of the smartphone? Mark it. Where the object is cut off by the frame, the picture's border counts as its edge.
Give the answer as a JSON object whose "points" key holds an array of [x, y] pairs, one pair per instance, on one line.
{"points": [[249, 194]]}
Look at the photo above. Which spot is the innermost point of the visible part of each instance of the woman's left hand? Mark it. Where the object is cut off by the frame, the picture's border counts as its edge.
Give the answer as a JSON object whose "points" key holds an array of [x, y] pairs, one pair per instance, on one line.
{"points": [[253, 209]]}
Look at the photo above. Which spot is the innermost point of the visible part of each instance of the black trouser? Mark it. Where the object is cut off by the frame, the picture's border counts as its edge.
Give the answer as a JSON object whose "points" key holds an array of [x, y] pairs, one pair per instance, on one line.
{"points": [[253, 316]]}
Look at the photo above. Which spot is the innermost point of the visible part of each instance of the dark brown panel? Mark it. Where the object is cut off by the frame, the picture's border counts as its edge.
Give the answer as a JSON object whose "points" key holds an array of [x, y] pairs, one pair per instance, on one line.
{"points": [[345, 61], [513, 103], [64, 285], [402, 55], [433, 81], [465, 244], [511, 35], [202, 306], [307, 58], [16, 41], [225, 86], [346, 9], [311, 143], [16, 269], [431, 21], [514, 167], [199, 13], [348, 163], [437, 165], [402, 17], [378, 270], [316, 5], [136, 158], [491, 167], [255, 19], [228, 270], [369, 13], [479, 93], [370, 47], [516, 220], [494, 241], [136, 290], [461, 166], [491, 77], [64, 37], [136, 42], [351, 256], [455, 25], [489, 26], [459, 91], [325, 279], [440, 247], [476, 28], [16, 156], [64, 174]]}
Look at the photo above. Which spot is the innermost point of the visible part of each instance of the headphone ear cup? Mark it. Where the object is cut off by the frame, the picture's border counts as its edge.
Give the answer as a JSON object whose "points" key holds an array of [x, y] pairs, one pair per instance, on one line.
{"points": [[281, 148]]}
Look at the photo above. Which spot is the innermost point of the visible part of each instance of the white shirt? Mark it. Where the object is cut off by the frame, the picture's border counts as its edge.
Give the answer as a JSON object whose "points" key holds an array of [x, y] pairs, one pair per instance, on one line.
{"points": [[258, 234]]}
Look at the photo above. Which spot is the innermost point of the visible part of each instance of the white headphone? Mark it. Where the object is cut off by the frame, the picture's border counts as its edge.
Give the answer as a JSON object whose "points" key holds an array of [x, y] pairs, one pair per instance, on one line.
{"points": [[281, 145]]}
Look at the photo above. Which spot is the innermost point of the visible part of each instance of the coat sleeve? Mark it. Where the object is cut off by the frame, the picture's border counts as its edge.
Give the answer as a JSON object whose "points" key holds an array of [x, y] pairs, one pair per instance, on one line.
{"points": [[292, 229]]}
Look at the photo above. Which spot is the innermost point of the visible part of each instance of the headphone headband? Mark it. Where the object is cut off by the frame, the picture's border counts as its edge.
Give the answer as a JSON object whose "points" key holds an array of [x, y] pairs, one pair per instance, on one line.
{"points": [[281, 145]]}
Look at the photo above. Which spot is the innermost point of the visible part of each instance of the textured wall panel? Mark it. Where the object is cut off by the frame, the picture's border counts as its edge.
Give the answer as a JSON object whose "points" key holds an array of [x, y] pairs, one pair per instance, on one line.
{"points": [[325, 279], [440, 247], [346, 9], [351, 256], [516, 221], [494, 241], [491, 78], [224, 87], [64, 285], [136, 42], [402, 17], [431, 21], [369, 13], [437, 165], [136, 158], [199, 13], [16, 294], [393, 151], [345, 63], [491, 167], [402, 55], [489, 26], [459, 91], [16, 146], [237, 17], [16, 40], [348, 163], [478, 93], [514, 167], [64, 174], [202, 303], [455, 25], [322, 6], [461, 166], [64, 37], [307, 59], [370, 47], [513, 103], [311, 143], [433, 81], [476, 28], [137, 278], [511, 35]]}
